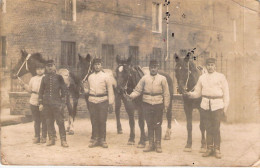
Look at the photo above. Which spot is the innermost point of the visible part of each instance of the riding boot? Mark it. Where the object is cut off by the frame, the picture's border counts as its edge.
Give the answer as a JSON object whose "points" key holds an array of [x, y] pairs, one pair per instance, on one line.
{"points": [[94, 143], [51, 141], [150, 147], [36, 140], [103, 143], [158, 147], [64, 142], [209, 151]]}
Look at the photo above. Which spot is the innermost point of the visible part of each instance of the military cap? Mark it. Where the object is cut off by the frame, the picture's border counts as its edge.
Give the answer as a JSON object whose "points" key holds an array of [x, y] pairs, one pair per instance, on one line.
{"points": [[49, 63], [153, 62], [210, 60], [96, 60]]}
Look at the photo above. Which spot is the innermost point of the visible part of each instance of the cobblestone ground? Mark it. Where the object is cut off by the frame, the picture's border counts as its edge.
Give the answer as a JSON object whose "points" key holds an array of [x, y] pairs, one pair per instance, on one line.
{"points": [[240, 147]]}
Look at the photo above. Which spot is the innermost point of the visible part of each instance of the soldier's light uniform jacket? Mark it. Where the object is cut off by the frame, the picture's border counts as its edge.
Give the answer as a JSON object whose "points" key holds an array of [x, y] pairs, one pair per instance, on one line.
{"points": [[155, 90], [52, 89], [213, 88], [100, 88], [34, 87]]}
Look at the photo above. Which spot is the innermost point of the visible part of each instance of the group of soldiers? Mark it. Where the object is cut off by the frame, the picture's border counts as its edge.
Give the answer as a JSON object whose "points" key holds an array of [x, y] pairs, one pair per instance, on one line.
{"points": [[48, 92]]}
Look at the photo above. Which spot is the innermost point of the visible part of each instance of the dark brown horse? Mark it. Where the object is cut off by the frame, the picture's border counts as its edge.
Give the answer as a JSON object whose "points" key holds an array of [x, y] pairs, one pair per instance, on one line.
{"points": [[127, 77], [187, 76], [27, 63]]}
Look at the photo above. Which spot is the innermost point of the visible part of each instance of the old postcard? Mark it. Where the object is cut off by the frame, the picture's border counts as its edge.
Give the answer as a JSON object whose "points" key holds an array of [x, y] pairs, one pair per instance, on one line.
{"points": [[130, 82]]}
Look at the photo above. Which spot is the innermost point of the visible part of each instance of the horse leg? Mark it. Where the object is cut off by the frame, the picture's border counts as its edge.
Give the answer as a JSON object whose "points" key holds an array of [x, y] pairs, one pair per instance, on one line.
{"points": [[129, 106], [188, 113], [69, 107], [141, 123], [203, 147], [117, 111], [73, 115], [169, 120]]}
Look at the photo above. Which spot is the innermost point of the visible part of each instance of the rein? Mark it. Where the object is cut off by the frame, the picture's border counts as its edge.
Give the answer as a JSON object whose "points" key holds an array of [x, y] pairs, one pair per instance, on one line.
{"points": [[89, 69], [26, 65]]}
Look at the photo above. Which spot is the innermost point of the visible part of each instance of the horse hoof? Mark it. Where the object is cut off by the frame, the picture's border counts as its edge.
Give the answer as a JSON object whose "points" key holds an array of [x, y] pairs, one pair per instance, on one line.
{"points": [[186, 149], [119, 132], [130, 143], [71, 132], [168, 134], [141, 145]]}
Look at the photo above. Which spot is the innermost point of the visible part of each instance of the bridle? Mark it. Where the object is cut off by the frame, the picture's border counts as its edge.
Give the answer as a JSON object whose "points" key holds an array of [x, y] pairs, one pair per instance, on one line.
{"points": [[186, 83], [89, 69], [26, 65], [124, 89]]}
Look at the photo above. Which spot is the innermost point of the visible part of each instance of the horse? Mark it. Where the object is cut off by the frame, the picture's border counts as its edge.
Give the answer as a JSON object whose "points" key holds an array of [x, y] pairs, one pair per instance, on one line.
{"points": [[127, 77], [187, 76], [26, 64]]}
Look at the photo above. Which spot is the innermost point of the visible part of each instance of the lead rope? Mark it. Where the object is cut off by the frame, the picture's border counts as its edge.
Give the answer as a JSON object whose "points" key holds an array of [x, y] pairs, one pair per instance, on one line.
{"points": [[186, 84]]}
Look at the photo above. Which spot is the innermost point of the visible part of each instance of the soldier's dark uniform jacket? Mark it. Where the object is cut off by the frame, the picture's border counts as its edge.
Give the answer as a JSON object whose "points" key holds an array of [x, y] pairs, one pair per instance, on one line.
{"points": [[52, 90]]}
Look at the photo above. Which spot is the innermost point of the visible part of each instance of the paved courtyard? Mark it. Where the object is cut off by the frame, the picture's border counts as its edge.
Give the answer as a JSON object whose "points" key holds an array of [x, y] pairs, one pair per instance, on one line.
{"points": [[240, 147]]}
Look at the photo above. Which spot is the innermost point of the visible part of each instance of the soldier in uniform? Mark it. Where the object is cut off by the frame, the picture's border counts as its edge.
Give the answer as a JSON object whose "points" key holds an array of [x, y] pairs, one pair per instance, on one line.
{"points": [[213, 88], [38, 117], [101, 98], [51, 99], [156, 99]]}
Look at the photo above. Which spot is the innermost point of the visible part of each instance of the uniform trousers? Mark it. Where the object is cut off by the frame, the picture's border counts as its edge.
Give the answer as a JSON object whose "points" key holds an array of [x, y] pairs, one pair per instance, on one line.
{"points": [[54, 112], [98, 112], [212, 121], [39, 121], [153, 117]]}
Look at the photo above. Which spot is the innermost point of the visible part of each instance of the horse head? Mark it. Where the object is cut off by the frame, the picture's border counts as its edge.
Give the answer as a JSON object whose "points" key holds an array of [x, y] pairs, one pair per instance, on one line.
{"points": [[123, 72], [186, 73], [27, 64], [84, 66]]}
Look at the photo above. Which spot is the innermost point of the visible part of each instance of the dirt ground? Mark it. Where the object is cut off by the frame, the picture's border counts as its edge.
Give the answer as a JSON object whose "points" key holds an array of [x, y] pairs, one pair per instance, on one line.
{"points": [[240, 147]]}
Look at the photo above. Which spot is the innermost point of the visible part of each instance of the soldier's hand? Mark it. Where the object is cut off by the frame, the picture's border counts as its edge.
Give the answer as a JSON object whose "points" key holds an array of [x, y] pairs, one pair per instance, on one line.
{"points": [[110, 108], [40, 107]]}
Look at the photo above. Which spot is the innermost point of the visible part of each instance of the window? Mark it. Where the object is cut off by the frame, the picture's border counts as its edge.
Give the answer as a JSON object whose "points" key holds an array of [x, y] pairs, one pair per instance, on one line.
{"points": [[157, 17], [69, 10], [134, 52], [108, 55], [68, 54], [157, 54], [3, 46]]}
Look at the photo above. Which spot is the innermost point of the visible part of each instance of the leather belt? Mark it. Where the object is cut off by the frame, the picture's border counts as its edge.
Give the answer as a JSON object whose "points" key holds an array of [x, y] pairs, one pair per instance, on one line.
{"points": [[153, 94], [100, 95], [213, 97], [34, 92]]}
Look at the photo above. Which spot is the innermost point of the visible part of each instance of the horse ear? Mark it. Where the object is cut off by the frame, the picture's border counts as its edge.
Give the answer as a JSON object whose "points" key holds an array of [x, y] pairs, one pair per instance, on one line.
{"points": [[80, 57], [187, 58], [129, 59], [88, 57], [24, 53], [118, 59], [176, 57]]}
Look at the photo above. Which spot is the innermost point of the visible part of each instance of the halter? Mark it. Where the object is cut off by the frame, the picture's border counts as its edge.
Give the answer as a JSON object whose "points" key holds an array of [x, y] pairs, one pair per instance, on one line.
{"points": [[89, 69], [26, 65], [186, 84]]}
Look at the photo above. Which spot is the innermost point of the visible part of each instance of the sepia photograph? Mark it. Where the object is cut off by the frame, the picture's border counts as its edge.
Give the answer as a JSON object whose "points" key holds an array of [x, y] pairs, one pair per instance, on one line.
{"points": [[130, 83]]}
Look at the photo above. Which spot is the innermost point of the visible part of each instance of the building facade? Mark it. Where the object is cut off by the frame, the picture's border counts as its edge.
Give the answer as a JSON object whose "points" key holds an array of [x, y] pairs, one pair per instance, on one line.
{"points": [[62, 29]]}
